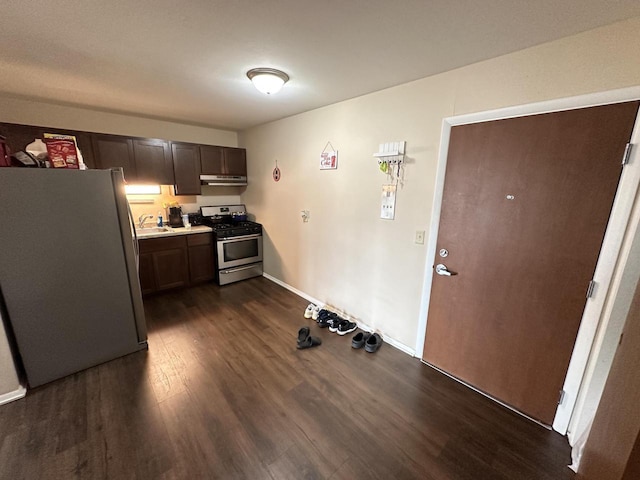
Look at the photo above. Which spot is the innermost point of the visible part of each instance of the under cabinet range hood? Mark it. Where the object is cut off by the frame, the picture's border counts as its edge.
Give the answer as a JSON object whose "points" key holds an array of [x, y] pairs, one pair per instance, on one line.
{"points": [[223, 180]]}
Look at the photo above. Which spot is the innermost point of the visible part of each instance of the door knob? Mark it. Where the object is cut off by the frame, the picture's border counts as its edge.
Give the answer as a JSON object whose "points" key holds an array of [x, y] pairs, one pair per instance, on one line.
{"points": [[442, 269]]}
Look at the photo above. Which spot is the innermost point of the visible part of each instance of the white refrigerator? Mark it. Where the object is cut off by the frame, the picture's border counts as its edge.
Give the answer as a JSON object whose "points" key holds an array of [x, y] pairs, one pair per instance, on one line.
{"points": [[68, 270]]}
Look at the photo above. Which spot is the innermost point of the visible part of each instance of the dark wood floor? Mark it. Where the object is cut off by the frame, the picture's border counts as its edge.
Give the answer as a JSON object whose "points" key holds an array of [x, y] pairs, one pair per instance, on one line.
{"points": [[223, 393]]}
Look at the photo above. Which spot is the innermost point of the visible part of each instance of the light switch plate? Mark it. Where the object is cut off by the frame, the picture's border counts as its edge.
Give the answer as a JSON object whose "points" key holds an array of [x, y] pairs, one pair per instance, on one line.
{"points": [[419, 237]]}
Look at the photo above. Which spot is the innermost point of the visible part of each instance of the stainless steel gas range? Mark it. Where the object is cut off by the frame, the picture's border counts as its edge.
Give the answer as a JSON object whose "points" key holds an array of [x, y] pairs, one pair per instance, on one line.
{"points": [[238, 243]]}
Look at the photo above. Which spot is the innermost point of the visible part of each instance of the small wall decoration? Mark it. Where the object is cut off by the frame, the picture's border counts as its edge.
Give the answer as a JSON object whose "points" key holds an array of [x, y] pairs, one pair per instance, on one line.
{"points": [[388, 207], [276, 173], [329, 158]]}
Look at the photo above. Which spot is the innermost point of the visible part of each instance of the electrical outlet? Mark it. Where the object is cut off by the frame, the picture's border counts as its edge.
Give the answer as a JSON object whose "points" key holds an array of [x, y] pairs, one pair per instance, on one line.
{"points": [[419, 237]]}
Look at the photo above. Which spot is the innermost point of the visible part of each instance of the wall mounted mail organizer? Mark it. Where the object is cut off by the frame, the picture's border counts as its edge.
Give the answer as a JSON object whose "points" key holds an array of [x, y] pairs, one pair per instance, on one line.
{"points": [[390, 153]]}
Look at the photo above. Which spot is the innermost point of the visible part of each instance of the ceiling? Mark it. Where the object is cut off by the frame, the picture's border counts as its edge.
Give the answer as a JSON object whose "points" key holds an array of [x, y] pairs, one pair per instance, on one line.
{"points": [[186, 61]]}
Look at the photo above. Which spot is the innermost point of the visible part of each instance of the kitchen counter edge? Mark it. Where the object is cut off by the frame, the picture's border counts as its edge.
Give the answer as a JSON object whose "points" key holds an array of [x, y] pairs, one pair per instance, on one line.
{"points": [[172, 232]]}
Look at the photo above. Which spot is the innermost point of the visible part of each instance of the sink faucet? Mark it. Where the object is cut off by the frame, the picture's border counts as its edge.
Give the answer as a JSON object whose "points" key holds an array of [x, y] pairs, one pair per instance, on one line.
{"points": [[143, 218]]}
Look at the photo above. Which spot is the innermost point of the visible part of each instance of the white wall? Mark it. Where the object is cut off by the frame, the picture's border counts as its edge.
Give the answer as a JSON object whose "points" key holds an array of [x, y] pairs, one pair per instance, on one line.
{"points": [[14, 110], [346, 255], [152, 204]]}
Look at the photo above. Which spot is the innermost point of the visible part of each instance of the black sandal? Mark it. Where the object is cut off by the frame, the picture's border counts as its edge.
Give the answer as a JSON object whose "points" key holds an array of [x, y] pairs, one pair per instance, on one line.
{"points": [[307, 341]]}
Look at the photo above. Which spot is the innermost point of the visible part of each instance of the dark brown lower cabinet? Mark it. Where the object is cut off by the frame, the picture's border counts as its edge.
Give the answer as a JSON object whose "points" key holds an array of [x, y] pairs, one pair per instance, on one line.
{"points": [[170, 267], [147, 273], [201, 268], [174, 262]]}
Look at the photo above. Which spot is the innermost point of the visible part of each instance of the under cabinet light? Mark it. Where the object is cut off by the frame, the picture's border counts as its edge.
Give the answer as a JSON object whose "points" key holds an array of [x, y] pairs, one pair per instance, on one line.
{"points": [[142, 189]]}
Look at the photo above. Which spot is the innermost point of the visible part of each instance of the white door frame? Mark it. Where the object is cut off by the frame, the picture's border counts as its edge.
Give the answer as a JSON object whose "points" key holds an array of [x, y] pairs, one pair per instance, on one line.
{"points": [[605, 272]]}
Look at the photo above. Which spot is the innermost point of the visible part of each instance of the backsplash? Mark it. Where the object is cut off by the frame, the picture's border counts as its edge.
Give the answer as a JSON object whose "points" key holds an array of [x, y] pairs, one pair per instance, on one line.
{"points": [[152, 204]]}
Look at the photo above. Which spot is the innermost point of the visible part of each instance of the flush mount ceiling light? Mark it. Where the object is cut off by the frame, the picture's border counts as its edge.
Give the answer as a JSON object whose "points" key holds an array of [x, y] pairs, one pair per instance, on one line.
{"points": [[267, 80]]}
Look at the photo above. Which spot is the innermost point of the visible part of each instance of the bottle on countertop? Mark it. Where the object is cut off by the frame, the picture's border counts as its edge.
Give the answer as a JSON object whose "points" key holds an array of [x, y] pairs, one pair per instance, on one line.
{"points": [[159, 221]]}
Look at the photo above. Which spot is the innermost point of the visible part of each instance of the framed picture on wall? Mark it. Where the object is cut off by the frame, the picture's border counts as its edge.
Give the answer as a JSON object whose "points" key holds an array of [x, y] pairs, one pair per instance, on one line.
{"points": [[329, 160]]}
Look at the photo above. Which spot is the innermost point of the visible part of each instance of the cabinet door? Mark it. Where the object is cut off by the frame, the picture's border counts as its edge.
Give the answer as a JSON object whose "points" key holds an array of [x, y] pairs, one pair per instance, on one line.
{"points": [[19, 136], [201, 263], [186, 168], [146, 273], [171, 270], [112, 152], [153, 161], [212, 160], [235, 161], [83, 140]]}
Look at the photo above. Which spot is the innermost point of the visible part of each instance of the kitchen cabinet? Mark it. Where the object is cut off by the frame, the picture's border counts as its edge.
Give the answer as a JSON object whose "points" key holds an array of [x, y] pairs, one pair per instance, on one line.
{"points": [[165, 261], [112, 151], [143, 160], [223, 160], [174, 262], [186, 168], [153, 161], [201, 267], [146, 273], [235, 161], [170, 268], [19, 136]]}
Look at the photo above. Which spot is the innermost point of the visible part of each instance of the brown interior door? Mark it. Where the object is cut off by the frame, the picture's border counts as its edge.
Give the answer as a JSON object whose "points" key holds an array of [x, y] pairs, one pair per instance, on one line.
{"points": [[525, 206]]}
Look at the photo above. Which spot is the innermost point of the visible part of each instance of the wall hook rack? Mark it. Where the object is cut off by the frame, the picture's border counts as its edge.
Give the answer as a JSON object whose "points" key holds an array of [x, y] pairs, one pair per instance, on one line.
{"points": [[391, 153]]}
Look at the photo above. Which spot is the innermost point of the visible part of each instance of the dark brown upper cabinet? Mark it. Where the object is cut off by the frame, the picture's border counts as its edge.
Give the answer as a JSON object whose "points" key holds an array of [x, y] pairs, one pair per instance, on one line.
{"points": [[153, 161], [211, 160], [112, 151], [19, 136], [186, 168], [223, 160], [235, 161]]}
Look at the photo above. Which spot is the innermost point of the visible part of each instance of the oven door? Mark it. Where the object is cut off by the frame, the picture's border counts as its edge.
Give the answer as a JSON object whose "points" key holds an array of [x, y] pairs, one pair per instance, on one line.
{"points": [[237, 251]]}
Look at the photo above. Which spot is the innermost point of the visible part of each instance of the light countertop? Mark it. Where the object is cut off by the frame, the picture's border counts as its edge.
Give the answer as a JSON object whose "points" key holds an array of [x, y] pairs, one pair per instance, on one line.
{"points": [[170, 232]]}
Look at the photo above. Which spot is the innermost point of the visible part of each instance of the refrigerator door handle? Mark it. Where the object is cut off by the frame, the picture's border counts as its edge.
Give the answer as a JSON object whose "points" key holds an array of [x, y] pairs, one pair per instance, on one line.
{"points": [[131, 250], [136, 247]]}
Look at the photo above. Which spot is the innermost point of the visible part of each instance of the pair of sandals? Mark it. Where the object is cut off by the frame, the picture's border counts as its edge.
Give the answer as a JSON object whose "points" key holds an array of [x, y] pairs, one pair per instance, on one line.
{"points": [[305, 340], [370, 342]]}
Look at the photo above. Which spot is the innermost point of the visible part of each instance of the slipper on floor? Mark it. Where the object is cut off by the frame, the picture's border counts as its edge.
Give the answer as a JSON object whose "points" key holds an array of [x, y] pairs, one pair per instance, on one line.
{"points": [[373, 343], [359, 339], [309, 342], [303, 333]]}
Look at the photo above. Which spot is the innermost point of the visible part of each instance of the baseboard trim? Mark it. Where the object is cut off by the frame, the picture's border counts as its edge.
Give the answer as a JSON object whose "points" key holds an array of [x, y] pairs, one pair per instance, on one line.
{"points": [[363, 326], [11, 396], [306, 296], [391, 341]]}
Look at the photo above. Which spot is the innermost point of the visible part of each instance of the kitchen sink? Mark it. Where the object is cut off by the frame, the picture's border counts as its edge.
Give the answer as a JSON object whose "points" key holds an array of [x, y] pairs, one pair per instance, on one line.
{"points": [[142, 231]]}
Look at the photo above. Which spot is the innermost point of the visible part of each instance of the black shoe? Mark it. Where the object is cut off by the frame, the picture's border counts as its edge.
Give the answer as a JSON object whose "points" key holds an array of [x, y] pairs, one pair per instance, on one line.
{"points": [[334, 322], [373, 343], [345, 327], [323, 318], [303, 333], [323, 314], [323, 322], [309, 342], [359, 339]]}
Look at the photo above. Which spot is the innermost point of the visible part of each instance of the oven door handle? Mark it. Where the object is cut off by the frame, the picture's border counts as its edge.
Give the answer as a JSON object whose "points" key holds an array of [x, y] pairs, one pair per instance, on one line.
{"points": [[238, 269], [239, 239]]}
